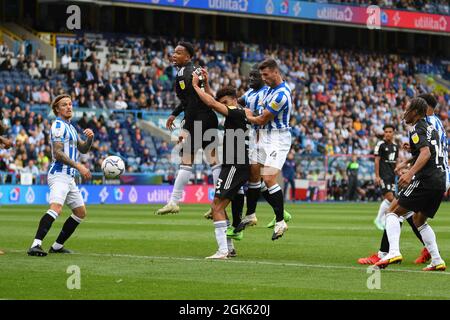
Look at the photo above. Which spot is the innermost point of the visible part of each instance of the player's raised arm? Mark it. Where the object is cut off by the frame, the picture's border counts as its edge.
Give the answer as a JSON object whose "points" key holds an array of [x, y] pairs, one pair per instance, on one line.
{"points": [[261, 120], [85, 146], [206, 98]]}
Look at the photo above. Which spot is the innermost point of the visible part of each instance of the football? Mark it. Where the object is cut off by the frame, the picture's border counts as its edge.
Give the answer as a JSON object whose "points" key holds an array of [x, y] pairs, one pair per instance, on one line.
{"points": [[113, 167]]}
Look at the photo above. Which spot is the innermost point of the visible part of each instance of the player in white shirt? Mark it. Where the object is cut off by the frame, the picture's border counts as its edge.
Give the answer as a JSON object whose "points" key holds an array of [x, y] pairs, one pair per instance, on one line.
{"points": [[274, 143], [65, 147]]}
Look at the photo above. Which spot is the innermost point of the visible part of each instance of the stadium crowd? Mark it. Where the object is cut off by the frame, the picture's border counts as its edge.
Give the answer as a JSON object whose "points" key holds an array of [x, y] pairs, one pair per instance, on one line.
{"points": [[342, 98]]}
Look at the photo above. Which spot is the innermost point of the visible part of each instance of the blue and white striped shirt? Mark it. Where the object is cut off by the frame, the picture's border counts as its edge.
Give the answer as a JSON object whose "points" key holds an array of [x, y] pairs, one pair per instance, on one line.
{"points": [[64, 132], [278, 101], [253, 100], [443, 143]]}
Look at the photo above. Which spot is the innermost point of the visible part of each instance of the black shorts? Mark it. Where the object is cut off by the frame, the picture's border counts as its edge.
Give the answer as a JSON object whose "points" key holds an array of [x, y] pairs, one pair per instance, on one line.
{"points": [[416, 198], [387, 185], [195, 141], [231, 179]]}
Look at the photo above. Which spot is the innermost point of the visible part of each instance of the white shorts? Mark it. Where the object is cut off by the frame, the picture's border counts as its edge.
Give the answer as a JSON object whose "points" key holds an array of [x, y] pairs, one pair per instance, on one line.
{"points": [[447, 181], [253, 146], [63, 190], [273, 147]]}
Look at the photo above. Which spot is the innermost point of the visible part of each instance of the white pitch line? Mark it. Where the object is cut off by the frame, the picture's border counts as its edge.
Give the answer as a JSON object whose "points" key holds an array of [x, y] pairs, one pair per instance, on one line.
{"points": [[289, 264]]}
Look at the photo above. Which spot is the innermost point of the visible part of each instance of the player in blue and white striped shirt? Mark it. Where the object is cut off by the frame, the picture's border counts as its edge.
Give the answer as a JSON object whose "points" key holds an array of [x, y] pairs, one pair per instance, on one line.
{"points": [[273, 146], [443, 147], [66, 144]]}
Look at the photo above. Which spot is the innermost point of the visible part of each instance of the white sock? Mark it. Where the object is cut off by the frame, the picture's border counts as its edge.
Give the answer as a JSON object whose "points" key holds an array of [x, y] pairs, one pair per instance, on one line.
{"points": [[221, 235], [57, 246], [429, 238], [382, 254], [229, 240], [182, 179], [230, 244], [393, 232], [36, 242], [216, 172], [384, 206]]}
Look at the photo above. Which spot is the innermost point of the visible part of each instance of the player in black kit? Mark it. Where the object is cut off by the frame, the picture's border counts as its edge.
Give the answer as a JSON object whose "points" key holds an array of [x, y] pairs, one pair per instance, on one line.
{"points": [[235, 163], [198, 119], [422, 188], [386, 155]]}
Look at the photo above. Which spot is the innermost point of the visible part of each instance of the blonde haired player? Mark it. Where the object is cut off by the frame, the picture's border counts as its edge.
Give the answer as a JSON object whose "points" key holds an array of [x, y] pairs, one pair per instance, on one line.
{"points": [[65, 147]]}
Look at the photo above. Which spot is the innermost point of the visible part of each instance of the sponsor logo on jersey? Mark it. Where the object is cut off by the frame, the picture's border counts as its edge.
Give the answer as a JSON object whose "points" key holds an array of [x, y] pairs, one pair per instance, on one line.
{"points": [[415, 138]]}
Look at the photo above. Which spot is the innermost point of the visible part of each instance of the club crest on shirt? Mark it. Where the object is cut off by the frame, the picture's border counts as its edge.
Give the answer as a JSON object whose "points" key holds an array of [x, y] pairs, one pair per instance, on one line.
{"points": [[58, 133], [182, 85], [415, 138]]}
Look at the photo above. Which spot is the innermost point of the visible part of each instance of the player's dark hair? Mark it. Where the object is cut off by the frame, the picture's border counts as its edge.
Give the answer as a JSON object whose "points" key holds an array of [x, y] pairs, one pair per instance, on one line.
{"points": [[226, 91], [268, 63], [419, 105], [57, 99], [386, 126], [430, 99], [188, 46]]}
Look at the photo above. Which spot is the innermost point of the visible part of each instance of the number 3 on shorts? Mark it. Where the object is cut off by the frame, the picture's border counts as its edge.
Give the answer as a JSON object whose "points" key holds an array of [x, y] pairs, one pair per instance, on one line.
{"points": [[219, 184]]}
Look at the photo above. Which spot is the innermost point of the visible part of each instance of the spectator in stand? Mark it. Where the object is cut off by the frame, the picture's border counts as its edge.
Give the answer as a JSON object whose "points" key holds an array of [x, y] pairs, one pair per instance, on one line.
{"points": [[33, 71], [163, 149], [6, 65], [120, 104], [289, 173]]}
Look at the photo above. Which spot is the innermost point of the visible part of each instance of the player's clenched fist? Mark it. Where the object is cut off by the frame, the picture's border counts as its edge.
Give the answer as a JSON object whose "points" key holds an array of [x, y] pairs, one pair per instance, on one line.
{"points": [[89, 133]]}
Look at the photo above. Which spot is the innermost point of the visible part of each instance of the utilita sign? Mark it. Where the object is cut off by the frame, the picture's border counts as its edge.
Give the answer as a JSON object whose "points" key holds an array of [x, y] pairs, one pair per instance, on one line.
{"points": [[308, 11]]}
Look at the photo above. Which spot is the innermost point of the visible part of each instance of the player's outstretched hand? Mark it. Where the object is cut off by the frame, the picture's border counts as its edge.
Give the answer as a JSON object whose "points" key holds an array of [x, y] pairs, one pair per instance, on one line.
{"points": [[248, 112], [205, 75], [195, 79], [405, 179], [85, 173], [169, 123], [377, 181], [89, 133]]}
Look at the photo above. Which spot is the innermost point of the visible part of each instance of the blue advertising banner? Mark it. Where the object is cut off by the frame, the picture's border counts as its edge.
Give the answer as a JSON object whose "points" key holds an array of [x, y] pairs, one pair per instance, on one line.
{"points": [[302, 10], [106, 194]]}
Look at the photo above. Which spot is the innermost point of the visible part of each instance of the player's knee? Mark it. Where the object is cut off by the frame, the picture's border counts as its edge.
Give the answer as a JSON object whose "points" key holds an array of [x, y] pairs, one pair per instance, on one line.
{"points": [[389, 197], [80, 212], [419, 219], [56, 207], [270, 180]]}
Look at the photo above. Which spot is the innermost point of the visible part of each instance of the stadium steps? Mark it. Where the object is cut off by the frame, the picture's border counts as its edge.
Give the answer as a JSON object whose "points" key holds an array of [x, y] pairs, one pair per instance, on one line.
{"points": [[436, 82], [47, 50], [155, 131]]}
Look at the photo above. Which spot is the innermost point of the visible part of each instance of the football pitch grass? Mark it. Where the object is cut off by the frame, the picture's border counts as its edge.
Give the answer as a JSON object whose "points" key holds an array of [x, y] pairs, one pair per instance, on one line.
{"points": [[127, 252]]}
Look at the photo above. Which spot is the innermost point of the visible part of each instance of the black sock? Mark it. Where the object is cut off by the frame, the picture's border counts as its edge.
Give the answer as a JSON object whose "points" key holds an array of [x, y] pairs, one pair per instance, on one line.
{"points": [[384, 247], [414, 228], [45, 224], [264, 191], [276, 200], [68, 228], [254, 189], [237, 205]]}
